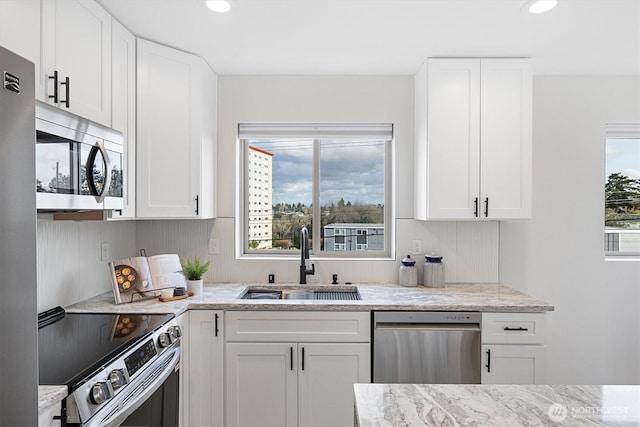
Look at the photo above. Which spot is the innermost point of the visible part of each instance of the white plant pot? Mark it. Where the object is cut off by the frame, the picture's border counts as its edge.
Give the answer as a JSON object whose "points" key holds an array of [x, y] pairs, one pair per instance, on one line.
{"points": [[195, 286]]}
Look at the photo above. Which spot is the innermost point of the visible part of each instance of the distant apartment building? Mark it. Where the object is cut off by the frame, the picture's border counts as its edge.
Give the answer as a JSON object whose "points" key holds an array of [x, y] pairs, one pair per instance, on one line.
{"points": [[621, 240], [260, 209], [354, 237]]}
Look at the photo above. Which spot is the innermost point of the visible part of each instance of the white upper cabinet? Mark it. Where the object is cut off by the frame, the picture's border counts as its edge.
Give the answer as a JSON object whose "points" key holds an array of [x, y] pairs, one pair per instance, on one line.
{"points": [[76, 57], [176, 122], [123, 108], [20, 32], [473, 139]]}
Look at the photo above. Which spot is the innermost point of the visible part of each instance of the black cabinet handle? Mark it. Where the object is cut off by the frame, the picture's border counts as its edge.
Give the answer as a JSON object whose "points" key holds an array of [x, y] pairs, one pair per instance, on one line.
{"points": [[66, 89], [216, 324], [303, 358], [506, 328], [486, 207], [55, 86], [488, 365], [475, 209], [197, 204], [291, 356]]}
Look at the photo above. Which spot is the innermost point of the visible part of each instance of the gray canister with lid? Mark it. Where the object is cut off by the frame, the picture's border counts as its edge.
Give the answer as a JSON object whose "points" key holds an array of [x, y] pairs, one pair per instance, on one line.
{"points": [[408, 272], [433, 271]]}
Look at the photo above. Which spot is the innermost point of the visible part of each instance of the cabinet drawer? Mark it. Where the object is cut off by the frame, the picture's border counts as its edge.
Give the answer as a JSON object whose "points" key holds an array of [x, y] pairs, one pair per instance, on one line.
{"points": [[293, 326], [514, 328]]}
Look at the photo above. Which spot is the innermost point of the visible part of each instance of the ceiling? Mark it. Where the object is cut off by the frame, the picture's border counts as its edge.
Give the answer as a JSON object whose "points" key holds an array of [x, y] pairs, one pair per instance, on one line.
{"points": [[390, 37]]}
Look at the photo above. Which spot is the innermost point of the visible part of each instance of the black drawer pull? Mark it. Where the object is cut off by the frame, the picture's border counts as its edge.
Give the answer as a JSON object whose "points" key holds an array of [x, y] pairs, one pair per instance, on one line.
{"points": [[216, 324], [506, 328], [488, 365]]}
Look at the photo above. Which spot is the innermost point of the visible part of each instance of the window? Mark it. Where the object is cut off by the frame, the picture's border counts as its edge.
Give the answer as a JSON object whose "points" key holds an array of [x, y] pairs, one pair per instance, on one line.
{"points": [[334, 179], [622, 190]]}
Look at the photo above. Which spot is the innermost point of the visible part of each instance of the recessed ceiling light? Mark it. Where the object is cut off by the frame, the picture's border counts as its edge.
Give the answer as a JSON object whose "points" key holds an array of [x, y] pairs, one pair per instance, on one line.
{"points": [[540, 6], [220, 6]]}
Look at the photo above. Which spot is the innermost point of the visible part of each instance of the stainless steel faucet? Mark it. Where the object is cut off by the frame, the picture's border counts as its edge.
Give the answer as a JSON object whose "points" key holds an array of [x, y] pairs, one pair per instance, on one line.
{"points": [[304, 254]]}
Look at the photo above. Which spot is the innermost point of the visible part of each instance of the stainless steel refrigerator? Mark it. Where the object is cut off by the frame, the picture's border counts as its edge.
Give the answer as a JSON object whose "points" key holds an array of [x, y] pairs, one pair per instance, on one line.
{"points": [[18, 309]]}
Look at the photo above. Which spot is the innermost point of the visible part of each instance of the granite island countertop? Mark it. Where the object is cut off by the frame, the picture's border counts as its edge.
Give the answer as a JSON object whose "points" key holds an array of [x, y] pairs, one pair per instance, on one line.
{"points": [[452, 297], [412, 405]]}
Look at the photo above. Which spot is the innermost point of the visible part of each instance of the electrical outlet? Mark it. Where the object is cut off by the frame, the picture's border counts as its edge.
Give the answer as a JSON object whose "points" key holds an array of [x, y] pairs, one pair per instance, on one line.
{"points": [[417, 247], [104, 251], [213, 246]]}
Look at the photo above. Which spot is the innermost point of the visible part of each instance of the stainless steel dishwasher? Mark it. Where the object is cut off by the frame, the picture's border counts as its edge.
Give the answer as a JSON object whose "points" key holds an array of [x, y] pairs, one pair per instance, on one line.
{"points": [[427, 347]]}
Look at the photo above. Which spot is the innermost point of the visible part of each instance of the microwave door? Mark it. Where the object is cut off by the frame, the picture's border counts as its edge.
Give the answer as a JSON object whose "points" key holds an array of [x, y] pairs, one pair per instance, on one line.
{"points": [[115, 195]]}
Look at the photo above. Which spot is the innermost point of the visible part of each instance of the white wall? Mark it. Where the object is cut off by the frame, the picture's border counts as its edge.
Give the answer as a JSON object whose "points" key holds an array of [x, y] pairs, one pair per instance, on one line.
{"points": [[470, 250], [69, 258], [558, 256]]}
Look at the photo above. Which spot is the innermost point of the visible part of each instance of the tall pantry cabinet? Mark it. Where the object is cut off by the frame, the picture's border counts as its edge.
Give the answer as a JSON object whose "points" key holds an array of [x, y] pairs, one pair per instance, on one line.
{"points": [[473, 139]]}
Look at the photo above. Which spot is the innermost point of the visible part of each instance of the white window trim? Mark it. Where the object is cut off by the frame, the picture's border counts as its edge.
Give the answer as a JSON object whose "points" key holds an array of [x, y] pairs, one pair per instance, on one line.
{"points": [[259, 129], [621, 130]]}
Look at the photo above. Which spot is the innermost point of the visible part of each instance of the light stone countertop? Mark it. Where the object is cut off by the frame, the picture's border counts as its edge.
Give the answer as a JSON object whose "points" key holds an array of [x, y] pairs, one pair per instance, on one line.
{"points": [[224, 296], [452, 297], [411, 405], [49, 395]]}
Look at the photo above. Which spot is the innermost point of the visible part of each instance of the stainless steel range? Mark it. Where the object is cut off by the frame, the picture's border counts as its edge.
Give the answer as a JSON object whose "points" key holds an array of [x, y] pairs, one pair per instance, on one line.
{"points": [[111, 364]]}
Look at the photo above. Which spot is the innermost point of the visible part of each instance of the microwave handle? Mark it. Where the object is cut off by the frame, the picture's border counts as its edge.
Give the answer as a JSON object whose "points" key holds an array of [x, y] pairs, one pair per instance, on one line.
{"points": [[98, 146]]}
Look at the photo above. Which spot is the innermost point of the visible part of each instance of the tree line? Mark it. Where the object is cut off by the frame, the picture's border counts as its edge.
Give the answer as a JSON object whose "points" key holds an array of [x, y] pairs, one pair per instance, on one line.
{"points": [[622, 201]]}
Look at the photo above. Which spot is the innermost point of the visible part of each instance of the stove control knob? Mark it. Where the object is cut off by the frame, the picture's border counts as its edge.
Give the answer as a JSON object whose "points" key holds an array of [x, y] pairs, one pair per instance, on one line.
{"points": [[175, 332], [164, 340], [117, 378], [99, 393]]}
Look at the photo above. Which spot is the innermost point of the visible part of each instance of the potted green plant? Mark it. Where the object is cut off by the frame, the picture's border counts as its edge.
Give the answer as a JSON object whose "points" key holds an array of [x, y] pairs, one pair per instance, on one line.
{"points": [[193, 270]]}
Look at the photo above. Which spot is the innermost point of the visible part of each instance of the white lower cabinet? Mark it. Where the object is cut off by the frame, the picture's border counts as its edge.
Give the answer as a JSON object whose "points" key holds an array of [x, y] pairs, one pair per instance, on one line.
{"points": [[289, 382], [514, 348], [514, 364], [45, 418], [183, 322], [204, 396]]}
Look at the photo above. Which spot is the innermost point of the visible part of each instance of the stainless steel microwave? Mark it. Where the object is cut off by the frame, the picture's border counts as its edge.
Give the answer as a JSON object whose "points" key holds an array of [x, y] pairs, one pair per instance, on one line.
{"points": [[79, 163]]}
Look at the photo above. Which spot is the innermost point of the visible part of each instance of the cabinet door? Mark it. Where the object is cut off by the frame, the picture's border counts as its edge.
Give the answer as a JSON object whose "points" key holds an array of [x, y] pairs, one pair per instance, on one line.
{"points": [[76, 36], [514, 364], [174, 147], [326, 376], [261, 384], [505, 135], [453, 138], [205, 397], [183, 397], [20, 32], [123, 108]]}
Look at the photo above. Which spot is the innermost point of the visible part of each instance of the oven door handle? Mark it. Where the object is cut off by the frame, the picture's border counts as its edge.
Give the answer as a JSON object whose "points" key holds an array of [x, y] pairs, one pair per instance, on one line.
{"points": [[90, 166]]}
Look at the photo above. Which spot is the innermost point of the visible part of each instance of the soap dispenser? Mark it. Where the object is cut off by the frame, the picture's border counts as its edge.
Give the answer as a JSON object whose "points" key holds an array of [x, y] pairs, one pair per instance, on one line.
{"points": [[408, 272]]}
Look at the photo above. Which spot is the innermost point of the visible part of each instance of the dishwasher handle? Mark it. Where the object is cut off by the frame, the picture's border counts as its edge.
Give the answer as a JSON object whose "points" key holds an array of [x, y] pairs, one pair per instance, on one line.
{"points": [[428, 326]]}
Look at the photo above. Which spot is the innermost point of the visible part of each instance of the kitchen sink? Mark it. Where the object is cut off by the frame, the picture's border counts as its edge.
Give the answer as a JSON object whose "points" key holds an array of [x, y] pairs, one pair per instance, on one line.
{"points": [[318, 294]]}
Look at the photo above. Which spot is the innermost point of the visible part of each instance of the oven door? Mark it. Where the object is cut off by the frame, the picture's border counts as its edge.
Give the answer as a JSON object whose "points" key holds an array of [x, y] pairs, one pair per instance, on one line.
{"points": [[152, 383], [161, 409]]}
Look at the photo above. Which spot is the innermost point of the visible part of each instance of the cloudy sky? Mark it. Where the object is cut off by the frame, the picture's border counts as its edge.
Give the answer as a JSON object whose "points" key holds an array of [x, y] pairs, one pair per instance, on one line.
{"points": [[623, 156], [352, 170]]}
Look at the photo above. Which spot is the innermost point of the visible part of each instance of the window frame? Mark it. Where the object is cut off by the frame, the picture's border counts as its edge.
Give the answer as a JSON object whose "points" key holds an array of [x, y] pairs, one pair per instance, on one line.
{"points": [[241, 223], [623, 130]]}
